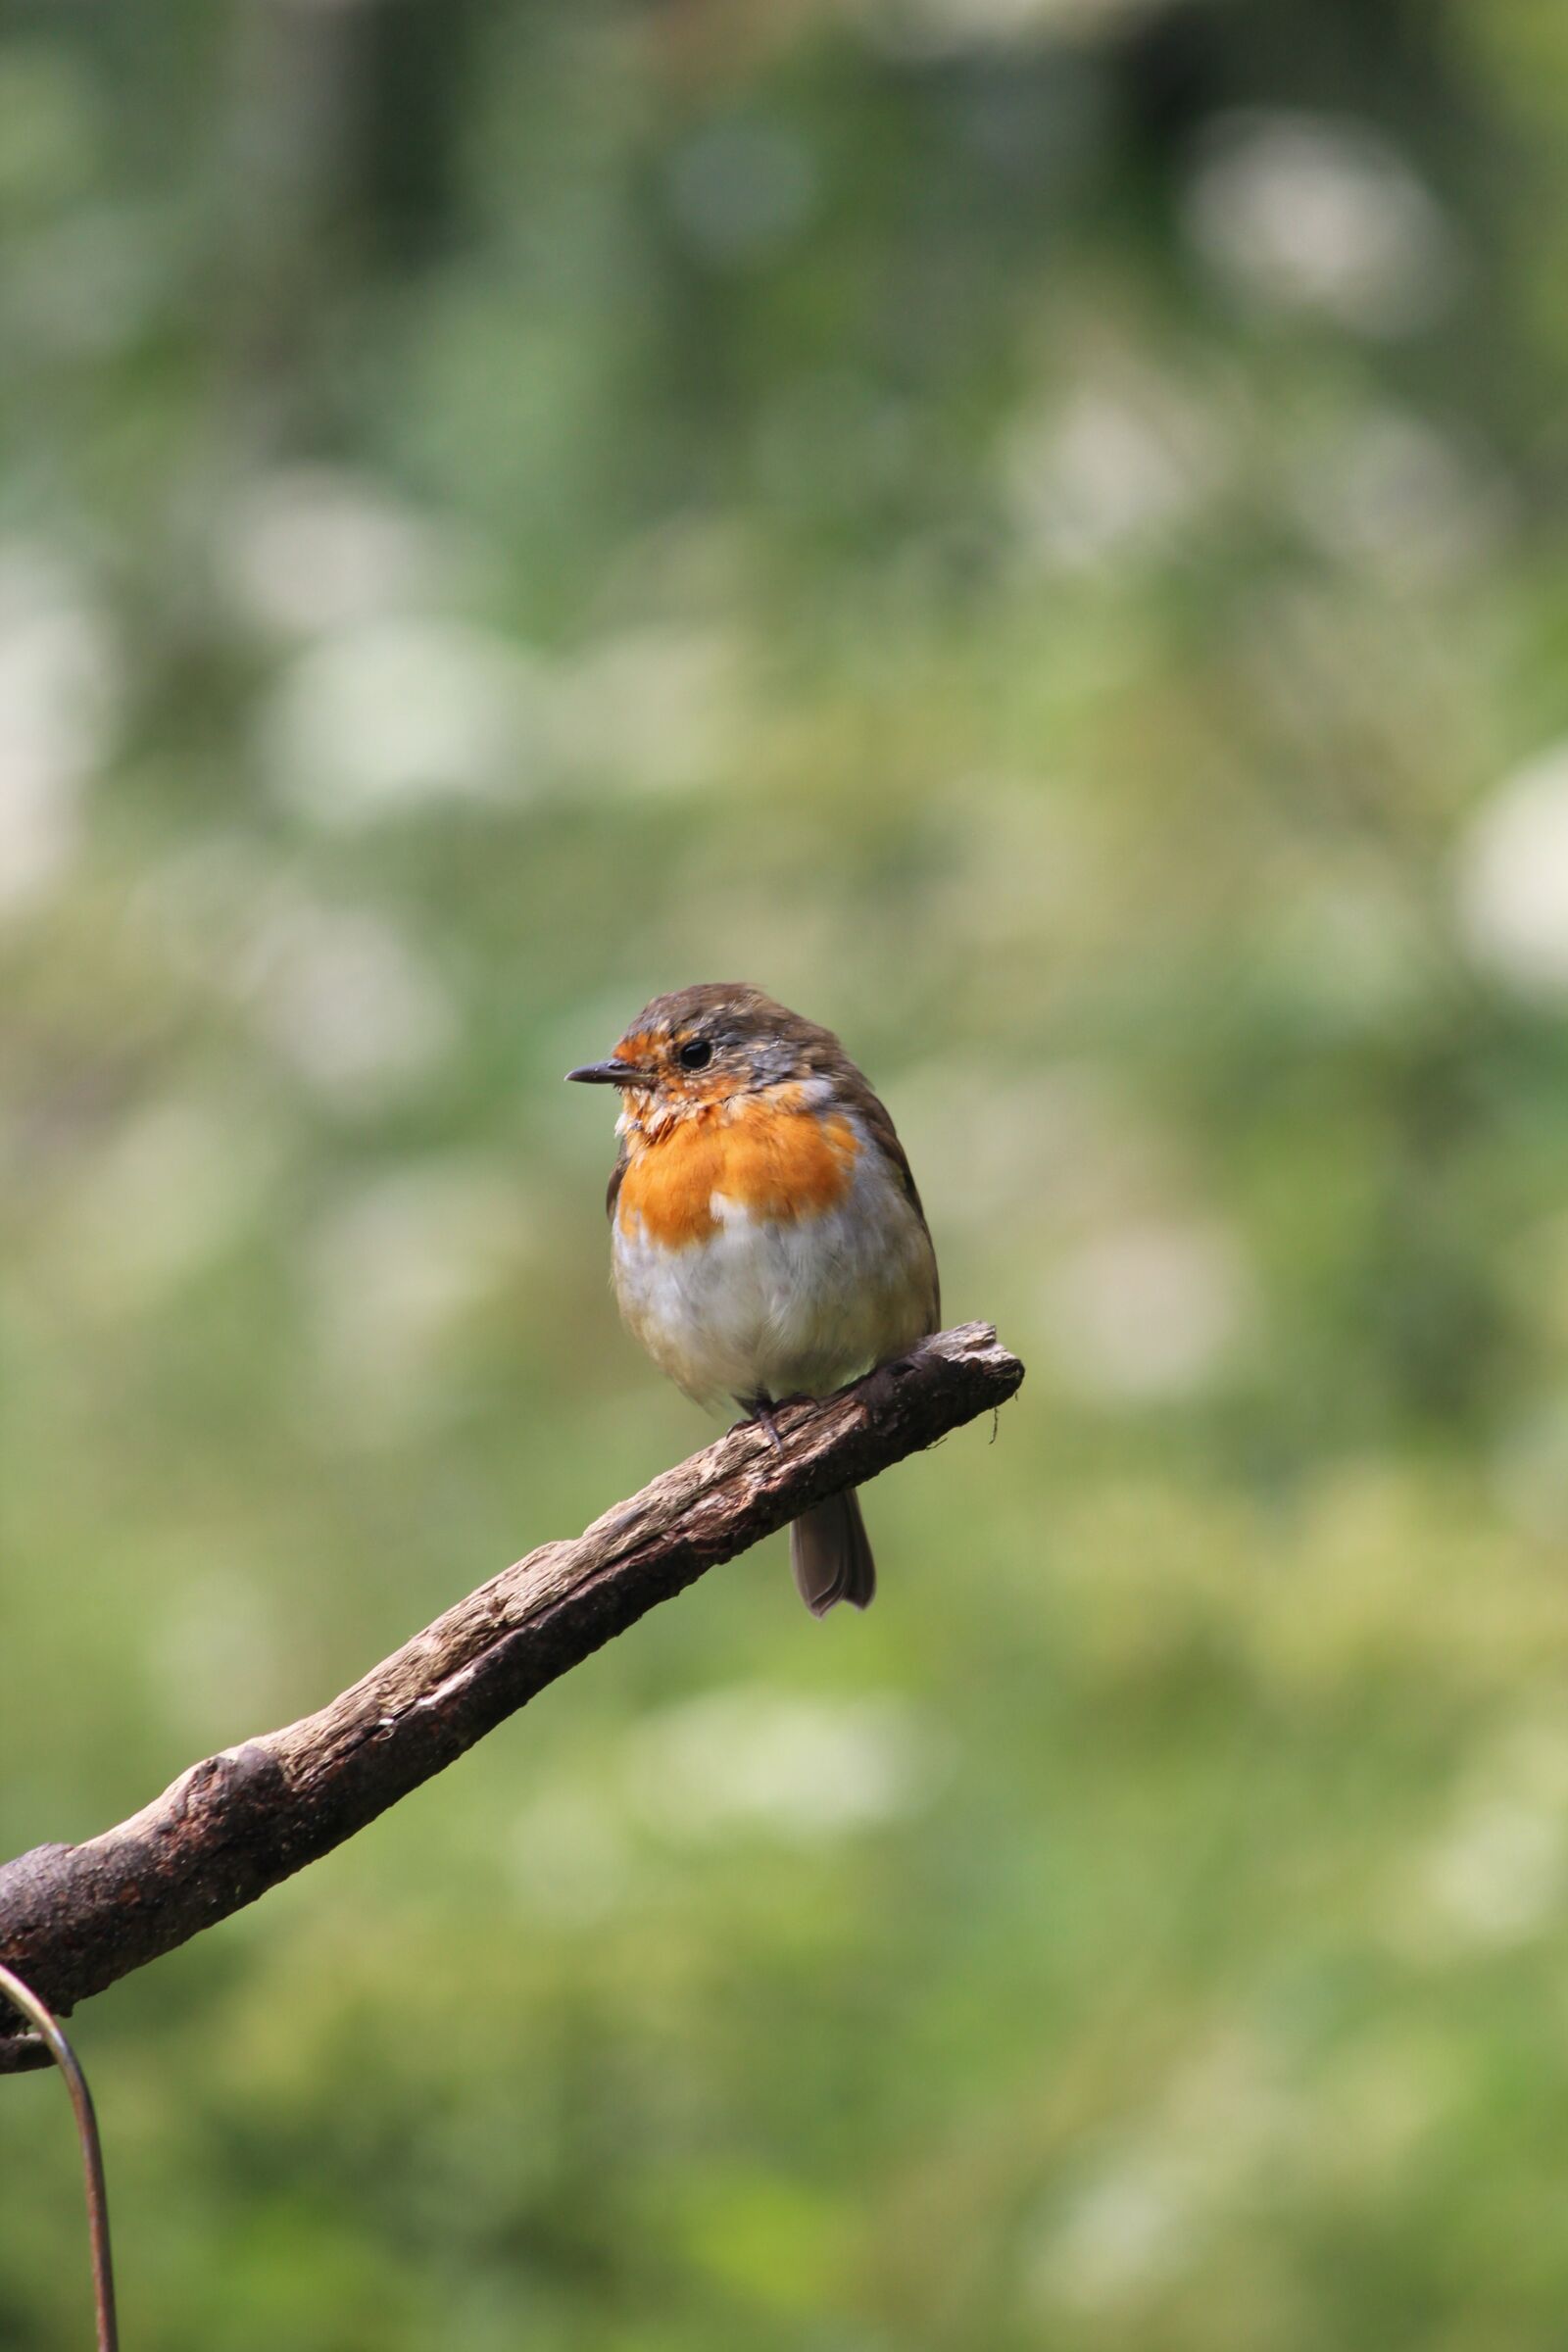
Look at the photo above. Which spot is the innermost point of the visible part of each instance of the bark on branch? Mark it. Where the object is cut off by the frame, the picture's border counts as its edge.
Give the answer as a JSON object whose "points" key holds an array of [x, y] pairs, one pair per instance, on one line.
{"points": [[76, 1918]]}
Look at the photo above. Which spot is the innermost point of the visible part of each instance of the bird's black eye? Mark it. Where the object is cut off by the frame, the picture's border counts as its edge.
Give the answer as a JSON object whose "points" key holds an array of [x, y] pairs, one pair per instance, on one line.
{"points": [[696, 1054]]}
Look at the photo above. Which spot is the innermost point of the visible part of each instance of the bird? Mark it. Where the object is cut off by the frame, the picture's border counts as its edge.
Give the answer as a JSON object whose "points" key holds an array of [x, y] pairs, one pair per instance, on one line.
{"points": [[767, 1239]]}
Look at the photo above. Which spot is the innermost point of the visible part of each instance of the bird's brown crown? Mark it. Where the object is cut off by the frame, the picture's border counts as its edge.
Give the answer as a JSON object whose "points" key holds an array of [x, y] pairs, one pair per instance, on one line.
{"points": [[719, 1038]]}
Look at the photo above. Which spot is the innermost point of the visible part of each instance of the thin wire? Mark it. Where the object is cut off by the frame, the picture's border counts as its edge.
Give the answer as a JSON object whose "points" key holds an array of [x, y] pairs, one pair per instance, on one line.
{"points": [[26, 2000]]}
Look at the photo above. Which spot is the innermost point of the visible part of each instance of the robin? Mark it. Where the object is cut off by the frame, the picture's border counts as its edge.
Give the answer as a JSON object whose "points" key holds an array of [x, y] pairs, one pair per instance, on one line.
{"points": [[768, 1240]]}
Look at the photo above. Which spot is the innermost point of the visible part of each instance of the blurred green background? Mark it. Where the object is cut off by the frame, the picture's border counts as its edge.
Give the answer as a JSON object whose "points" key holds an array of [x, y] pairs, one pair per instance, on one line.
{"points": [[1035, 530]]}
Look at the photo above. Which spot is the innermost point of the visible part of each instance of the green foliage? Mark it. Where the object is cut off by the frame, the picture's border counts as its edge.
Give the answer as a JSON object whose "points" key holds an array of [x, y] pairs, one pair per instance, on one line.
{"points": [[1032, 532]]}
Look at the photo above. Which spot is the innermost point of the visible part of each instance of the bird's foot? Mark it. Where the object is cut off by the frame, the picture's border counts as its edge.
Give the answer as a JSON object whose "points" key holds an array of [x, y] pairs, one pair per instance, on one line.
{"points": [[760, 1413]]}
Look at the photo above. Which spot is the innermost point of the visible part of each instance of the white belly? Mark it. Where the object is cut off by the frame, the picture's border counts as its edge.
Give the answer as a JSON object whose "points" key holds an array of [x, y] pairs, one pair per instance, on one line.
{"points": [[783, 1309]]}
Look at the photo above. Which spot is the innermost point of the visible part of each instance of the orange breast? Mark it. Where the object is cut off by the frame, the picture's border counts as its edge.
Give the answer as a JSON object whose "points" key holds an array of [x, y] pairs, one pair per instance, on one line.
{"points": [[778, 1161]]}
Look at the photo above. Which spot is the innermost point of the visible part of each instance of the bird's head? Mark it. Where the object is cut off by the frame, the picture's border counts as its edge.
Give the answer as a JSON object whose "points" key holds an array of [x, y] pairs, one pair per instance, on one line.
{"points": [[703, 1045]]}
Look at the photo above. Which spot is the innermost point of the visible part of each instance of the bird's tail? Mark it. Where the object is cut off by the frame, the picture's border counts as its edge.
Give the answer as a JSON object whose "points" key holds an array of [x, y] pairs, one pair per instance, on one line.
{"points": [[831, 1556]]}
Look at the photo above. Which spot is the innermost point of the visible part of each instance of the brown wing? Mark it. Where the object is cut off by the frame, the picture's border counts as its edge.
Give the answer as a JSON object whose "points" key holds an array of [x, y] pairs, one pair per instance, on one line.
{"points": [[821, 1052], [612, 1191], [885, 1135]]}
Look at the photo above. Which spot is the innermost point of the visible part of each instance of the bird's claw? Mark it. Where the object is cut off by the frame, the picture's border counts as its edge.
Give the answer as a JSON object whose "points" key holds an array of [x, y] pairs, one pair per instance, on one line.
{"points": [[760, 1414]]}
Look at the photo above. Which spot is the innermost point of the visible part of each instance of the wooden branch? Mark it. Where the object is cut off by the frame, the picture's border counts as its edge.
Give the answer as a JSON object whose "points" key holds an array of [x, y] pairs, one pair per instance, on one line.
{"points": [[76, 1918]]}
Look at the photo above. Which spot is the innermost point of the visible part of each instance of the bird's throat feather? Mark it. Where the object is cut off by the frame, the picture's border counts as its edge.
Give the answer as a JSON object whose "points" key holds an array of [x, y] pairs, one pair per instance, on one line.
{"points": [[776, 1163]]}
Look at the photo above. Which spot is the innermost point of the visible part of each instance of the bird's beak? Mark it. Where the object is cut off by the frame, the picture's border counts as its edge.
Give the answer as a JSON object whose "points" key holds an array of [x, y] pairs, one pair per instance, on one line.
{"points": [[606, 1073]]}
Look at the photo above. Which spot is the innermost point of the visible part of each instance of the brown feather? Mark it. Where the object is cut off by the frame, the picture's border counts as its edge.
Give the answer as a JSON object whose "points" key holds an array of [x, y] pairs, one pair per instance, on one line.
{"points": [[831, 1555]]}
